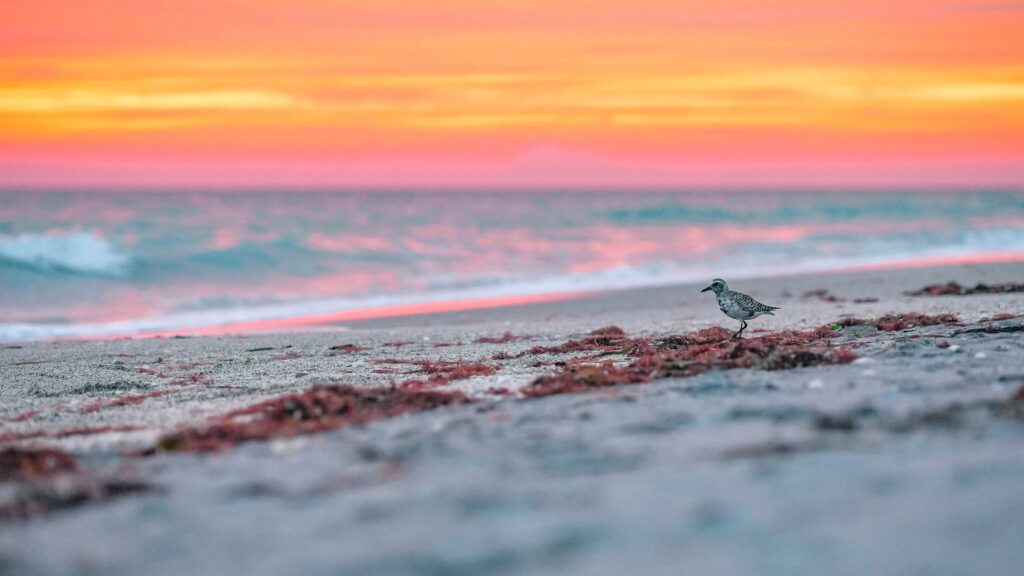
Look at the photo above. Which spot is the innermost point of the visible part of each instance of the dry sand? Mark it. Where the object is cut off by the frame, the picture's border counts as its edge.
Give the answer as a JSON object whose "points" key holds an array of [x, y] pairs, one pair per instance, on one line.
{"points": [[665, 475]]}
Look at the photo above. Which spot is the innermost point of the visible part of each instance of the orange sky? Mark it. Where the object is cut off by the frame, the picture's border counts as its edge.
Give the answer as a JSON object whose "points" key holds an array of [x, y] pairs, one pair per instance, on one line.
{"points": [[508, 94]]}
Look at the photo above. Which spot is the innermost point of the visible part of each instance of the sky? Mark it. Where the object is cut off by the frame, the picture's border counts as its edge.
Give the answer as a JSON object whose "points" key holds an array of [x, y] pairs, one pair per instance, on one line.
{"points": [[525, 94]]}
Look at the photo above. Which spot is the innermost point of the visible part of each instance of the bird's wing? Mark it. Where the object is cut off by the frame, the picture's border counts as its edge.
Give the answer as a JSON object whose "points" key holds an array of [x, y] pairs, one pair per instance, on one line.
{"points": [[748, 303]]}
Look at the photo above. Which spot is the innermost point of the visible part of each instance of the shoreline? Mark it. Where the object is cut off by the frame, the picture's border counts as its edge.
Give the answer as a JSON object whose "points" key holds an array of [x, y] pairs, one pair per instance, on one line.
{"points": [[988, 264]]}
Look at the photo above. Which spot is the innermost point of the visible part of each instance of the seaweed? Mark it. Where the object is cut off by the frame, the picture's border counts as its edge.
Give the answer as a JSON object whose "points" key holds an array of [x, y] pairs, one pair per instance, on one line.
{"points": [[321, 408], [955, 289], [902, 321], [503, 339], [42, 498], [30, 464], [692, 354], [584, 378], [441, 372], [607, 340]]}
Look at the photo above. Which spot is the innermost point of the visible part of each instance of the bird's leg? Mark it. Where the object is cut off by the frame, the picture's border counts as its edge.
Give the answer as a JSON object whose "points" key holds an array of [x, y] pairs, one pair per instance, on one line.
{"points": [[739, 334]]}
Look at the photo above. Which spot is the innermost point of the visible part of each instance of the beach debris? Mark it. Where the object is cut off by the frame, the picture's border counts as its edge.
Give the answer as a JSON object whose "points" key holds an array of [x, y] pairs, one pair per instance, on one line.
{"points": [[50, 480], [348, 348], [441, 372], [66, 492], [584, 378], [503, 339], [823, 295], [902, 321], [955, 289], [29, 464], [321, 408], [603, 341], [260, 349]]}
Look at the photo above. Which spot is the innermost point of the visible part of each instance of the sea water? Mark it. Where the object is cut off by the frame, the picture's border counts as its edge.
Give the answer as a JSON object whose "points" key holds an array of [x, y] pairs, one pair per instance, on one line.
{"points": [[87, 264]]}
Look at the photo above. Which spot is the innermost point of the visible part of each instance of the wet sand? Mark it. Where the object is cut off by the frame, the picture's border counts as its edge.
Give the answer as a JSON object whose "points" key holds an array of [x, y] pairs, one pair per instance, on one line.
{"points": [[814, 469]]}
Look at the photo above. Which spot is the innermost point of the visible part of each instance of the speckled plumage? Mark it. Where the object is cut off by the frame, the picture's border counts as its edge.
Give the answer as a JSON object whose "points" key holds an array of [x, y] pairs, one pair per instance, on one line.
{"points": [[737, 304]]}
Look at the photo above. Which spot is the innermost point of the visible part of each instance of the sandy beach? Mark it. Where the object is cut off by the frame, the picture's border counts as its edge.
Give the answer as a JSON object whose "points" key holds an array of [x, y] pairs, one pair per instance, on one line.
{"points": [[797, 464]]}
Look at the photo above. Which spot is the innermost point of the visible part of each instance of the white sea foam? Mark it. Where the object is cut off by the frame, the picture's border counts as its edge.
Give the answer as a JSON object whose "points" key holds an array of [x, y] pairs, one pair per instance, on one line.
{"points": [[78, 252]]}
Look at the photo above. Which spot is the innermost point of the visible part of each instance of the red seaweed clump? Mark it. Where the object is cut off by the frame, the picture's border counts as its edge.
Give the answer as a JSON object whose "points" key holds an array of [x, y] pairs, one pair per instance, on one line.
{"points": [[318, 409], [705, 336], [503, 339], [780, 351], [80, 490], [584, 378], [607, 340], [954, 289], [894, 322], [441, 372], [692, 354], [611, 331], [25, 465]]}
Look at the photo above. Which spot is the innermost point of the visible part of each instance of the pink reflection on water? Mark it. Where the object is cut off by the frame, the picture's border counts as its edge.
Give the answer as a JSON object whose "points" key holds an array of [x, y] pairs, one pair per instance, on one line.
{"points": [[349, 242], [333, 319], [936, 261]]}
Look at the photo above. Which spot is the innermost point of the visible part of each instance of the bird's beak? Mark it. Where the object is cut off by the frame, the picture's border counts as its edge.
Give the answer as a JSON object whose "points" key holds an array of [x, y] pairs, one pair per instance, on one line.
{"points": [[706, 289]]}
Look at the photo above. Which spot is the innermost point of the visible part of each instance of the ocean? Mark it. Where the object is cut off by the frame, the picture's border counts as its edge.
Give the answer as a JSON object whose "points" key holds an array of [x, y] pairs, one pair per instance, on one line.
{"points": [[95, 264]]}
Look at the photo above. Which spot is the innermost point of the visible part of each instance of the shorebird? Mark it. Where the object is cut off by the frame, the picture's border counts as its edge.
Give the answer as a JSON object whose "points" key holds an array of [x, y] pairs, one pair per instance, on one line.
{"points": [[737, 305]]}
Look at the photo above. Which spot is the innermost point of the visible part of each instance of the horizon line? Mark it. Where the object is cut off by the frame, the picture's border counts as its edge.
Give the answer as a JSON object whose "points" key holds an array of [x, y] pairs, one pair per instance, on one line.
{"points": [[498, 189]]}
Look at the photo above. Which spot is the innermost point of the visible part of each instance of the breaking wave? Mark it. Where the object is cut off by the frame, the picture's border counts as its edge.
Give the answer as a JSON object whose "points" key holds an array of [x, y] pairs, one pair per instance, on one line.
{"points": [[76, 253]]}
